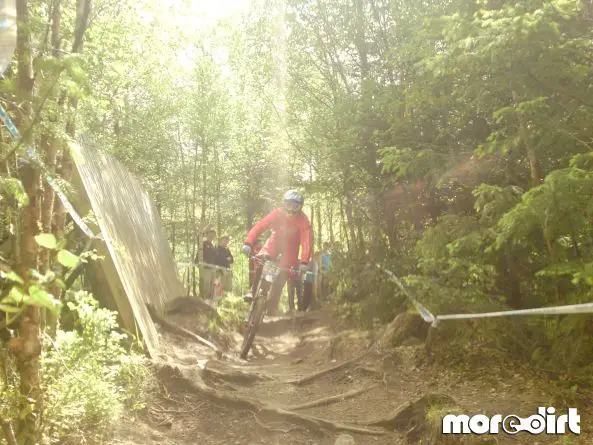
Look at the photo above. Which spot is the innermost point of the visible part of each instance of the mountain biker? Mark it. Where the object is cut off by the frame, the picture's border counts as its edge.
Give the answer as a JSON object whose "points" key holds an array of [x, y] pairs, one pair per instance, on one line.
{"points": [[291, 229]]}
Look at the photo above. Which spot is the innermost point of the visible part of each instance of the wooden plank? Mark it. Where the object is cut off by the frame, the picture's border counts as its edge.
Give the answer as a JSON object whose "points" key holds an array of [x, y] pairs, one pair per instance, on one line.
{"points": [[139, 266]]}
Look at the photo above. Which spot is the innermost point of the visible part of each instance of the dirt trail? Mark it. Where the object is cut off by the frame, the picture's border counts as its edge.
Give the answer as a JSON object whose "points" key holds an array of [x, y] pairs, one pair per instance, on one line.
{"points": [[208, 400]]}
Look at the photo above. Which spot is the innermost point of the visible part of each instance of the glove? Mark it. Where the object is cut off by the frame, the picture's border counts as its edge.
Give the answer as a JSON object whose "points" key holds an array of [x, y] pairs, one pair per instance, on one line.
{"points": [[246, 249], [303, 268]]}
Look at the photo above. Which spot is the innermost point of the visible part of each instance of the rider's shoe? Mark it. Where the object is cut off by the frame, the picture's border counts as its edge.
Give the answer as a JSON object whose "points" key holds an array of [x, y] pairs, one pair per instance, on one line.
{"points": [[248, 298]]}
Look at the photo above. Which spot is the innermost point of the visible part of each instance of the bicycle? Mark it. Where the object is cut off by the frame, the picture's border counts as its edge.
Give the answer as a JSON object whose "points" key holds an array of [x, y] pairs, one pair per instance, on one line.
{"points": [[259, 304]]}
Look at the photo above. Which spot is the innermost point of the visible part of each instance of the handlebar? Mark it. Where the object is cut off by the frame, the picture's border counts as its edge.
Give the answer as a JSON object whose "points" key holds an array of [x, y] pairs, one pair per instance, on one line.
{"points": [[263, 258]]}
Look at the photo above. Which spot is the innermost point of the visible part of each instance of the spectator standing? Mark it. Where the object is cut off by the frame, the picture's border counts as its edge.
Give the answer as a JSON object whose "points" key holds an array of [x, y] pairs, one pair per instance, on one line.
{"points": [[207, 266], [226, 260], [307, 294], [294, 287]]}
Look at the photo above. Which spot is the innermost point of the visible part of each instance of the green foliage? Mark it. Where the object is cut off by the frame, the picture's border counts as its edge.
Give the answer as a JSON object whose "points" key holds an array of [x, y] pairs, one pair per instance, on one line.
{"points": [[64, 257], [493, 201], [46, 240], [551, 207], [67, 259], [364, 295], [13, 188], [10, 396], [231, 314], [89, 376], [20, 296], [413, 164], [485, 105]]}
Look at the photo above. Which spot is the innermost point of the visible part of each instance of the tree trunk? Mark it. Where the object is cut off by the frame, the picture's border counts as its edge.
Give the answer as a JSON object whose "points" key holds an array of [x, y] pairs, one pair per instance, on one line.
{"points": [[534, 166], [313, 219], [50, 146], [433, 205], [361, 244], [350, 221], [83, 9], [204, 201], [330, 223], [173, 233], [27, 346], [319, 237], [196, 251], [217, 179], [344, 226], [46, 256], [185, 229], [391, 231]]}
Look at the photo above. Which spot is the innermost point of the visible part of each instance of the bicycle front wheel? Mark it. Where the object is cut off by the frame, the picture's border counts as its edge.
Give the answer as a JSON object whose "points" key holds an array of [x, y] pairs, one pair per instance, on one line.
{"points": [[255, 318]]}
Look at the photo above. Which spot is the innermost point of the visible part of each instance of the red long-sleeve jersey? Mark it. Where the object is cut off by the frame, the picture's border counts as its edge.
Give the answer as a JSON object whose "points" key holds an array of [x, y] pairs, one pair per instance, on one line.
{"points": [[289, 233]]}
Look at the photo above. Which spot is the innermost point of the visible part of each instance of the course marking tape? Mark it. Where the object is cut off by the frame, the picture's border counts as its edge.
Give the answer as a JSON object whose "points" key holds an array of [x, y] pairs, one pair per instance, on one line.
{"points": [[584, 308], [52, 183]]}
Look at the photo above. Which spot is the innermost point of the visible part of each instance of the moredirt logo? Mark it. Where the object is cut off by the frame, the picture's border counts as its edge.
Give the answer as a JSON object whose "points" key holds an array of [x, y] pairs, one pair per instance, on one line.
{"points": [[544, 422]]}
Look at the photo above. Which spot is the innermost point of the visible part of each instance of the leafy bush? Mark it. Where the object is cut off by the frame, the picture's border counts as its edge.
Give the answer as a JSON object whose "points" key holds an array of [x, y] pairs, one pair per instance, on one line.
{"points": [[88, 375], [231, 313], [363, 294]]}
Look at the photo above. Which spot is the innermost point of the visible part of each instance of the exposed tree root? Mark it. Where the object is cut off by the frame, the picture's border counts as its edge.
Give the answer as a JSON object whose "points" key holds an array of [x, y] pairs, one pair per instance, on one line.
{"points": [[180, 330], [411, 418], [400, 416], [370, 371], [326, 371], [271, 428], [219, 371], [333, 399], [190, 379]]}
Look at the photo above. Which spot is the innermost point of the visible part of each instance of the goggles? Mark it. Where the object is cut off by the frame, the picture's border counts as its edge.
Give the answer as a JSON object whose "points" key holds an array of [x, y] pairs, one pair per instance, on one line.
{"points": [[292, 206]]}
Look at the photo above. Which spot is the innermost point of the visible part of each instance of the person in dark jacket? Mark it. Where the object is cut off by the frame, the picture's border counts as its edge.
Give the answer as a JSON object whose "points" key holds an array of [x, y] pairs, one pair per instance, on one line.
{"points": [[209, 252], [209, 259], [294, 287], [307, 292], [226, 260], [225, 257]]}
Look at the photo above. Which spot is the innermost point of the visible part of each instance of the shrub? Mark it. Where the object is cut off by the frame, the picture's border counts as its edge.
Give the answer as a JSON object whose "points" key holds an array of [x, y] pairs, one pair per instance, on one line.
{"points": [[89, 377]]}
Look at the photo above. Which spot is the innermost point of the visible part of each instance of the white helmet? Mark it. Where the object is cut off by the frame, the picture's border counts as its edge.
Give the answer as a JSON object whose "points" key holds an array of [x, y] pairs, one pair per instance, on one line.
{"points": [[293, 201]]}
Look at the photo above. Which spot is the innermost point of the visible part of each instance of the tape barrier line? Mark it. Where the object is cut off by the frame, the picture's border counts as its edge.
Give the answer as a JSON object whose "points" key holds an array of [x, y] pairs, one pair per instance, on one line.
{"points": [[424, 313], [48, 178], [584, 308], [9, 124], [213, 266]]}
